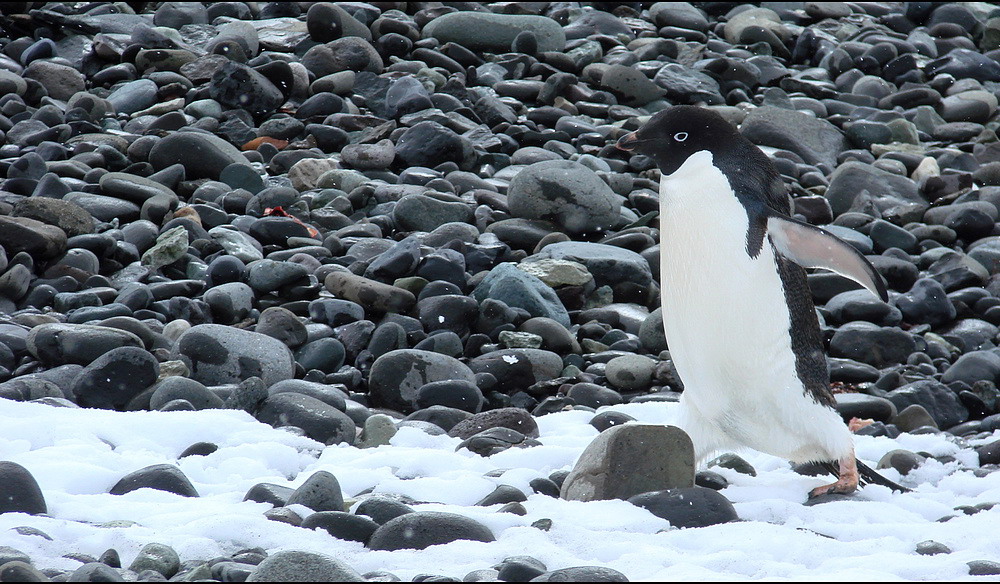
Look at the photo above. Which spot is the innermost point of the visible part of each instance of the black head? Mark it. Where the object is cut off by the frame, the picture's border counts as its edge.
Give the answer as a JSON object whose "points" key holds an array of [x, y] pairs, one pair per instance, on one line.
{"points": [[671, 136]]}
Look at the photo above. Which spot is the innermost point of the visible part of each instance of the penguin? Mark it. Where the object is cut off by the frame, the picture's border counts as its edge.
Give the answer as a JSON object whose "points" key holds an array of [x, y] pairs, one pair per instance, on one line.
{"points": [[737, 312]]}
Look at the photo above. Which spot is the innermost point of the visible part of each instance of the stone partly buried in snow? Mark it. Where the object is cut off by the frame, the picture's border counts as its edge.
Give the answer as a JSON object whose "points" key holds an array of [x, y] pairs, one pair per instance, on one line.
{"points": [[397, 376], [566, 193], [296, 566], [624, 461], [20, 491], [423, 529], [519, 289], [218, 354]]}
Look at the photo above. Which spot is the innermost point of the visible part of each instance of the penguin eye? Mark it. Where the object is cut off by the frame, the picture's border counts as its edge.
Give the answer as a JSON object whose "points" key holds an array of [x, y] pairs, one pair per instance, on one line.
{"points": [[681, 136]]}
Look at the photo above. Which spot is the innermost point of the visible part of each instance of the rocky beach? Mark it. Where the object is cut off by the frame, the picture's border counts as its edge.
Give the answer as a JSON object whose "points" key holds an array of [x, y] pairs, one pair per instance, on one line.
{"points": [[302, 291]]}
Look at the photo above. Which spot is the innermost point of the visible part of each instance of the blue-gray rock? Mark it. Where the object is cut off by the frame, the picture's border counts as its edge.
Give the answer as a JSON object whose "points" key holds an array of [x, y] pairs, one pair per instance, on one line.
{"points": [[235, 85], [422, 529], [429, 144], [219, 354], [860, 405], [518, 289], [683, 84], [175, 387], [133, 96], [517, 419], [565, 193], [417, 212], [862, 305], [494, 33], [342, 525], [157, 557]]}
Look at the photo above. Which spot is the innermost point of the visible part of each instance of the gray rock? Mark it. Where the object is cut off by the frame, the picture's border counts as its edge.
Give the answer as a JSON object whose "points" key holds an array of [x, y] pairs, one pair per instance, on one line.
{"points": [[494, 33], [872, 344], [974, 366], [688, 507], [519, 289], [630, 372], [940, 402], [398, 375], [61, 81], [814, 139], [21, 493], [635, 88], [202, 155], [518, 368], [516, 419], [57, 343], [610, 265], [582, 574], [566, 193], [320, 492], [426, 213], [422, 529], [853, 179], [624, 461], [219, 354], [371, 294], [161, 477], [133, 96], [157, 557], [319, 420], [296, 566]]}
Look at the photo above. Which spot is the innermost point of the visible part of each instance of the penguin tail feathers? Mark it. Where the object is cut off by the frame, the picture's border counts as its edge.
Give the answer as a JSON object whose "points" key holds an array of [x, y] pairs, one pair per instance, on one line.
{"points": [[867, 476]]}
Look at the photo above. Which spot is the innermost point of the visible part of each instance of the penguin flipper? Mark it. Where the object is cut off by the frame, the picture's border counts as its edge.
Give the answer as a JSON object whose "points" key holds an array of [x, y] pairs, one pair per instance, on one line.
{"points": [[812, 247]]}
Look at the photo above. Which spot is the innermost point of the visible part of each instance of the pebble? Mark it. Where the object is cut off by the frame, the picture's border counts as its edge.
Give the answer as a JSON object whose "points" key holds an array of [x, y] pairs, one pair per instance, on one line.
{"points": [[21, 491], [162, 477], [300, 566]]}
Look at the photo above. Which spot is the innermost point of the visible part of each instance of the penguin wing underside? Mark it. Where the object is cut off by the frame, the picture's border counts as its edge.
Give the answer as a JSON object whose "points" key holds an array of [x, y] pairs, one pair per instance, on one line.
{"points": [[812, 247]]}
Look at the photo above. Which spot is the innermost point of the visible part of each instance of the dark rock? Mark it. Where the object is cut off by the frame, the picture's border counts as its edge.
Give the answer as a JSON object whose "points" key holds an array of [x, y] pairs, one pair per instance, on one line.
{"points": [[162, 477], [420, 530], [688, 507]]}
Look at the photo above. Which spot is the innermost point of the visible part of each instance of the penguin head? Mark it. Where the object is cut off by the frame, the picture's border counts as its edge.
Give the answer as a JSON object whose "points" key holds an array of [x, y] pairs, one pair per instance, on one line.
{"points": [[672, 135]]}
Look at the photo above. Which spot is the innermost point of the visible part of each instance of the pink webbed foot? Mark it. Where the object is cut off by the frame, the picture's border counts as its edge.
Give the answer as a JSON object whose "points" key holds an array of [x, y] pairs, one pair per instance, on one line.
{"points": [[847, 480]]}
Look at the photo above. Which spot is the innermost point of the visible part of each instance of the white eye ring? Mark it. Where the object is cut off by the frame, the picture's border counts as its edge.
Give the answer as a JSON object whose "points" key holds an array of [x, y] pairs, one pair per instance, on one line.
{"points": [[681, 136]]}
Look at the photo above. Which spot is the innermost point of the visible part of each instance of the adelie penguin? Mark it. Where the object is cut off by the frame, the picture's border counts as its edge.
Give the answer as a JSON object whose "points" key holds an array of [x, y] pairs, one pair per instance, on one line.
{"points": [[738, 315]]}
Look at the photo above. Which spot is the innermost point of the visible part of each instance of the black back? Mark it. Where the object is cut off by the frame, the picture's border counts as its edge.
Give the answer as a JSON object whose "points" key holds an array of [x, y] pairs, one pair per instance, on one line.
{"points": [[670, 138]]}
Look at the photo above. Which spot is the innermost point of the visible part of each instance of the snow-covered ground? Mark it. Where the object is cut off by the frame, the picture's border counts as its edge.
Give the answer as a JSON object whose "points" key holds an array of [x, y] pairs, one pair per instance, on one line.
{"points": [[77, 455]]}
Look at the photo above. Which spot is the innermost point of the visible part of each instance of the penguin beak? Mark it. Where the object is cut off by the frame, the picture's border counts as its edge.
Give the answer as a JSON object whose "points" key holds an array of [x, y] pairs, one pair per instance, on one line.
{"points": [[627, 142]]}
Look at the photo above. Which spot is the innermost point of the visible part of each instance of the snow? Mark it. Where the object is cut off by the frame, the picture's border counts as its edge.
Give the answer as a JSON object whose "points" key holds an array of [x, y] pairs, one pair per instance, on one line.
{"points": [[78, 454]]}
